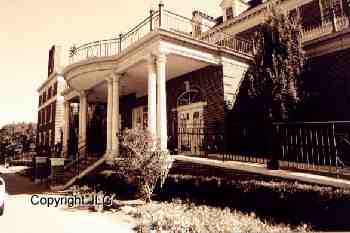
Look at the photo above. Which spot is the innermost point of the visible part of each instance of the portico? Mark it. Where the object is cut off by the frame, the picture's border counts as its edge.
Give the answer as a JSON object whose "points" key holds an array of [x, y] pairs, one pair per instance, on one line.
{"points": [[135, 75]]}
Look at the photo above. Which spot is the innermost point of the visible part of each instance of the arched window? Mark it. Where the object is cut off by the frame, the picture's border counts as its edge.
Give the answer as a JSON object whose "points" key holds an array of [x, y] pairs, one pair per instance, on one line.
{"points": [[189, 97]]}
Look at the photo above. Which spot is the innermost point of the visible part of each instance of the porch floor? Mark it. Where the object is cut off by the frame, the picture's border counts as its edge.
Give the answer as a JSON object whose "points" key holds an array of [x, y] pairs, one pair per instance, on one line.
{"points": [[257, 168]]}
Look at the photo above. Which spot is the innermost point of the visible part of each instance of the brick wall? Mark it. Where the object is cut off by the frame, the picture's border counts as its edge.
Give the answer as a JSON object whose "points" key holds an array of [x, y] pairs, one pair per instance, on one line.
{"points": [[44, 125], [328, 85], [209, 81]]}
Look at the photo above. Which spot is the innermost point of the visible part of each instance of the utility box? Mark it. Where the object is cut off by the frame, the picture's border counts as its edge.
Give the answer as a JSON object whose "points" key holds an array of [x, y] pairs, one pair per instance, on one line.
{"points": [[57, 171], [41, 171]]}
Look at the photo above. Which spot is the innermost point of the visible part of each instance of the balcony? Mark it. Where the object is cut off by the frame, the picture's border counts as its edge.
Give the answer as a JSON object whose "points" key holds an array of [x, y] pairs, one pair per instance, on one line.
{"points": [[159, 20], [326, 28]]}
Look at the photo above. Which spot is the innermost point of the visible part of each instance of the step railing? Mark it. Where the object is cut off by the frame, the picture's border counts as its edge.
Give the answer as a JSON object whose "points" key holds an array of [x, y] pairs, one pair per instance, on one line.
{"points": [[81, 161]]}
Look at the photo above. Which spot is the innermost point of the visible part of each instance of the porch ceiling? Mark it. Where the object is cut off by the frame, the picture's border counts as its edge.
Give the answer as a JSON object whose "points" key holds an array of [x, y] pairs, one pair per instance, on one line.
{"points": [[135, 77]]}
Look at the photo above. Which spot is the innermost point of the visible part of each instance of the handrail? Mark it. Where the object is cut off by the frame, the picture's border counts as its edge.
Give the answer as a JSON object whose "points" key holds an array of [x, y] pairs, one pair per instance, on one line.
{"points": [[76, 157], [140, 24], [327, 27], [114, 46], [219, 38]]}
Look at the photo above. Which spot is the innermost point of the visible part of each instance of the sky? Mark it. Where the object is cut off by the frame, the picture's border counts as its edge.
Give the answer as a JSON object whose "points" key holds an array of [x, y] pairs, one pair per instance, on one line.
{"points": [[29, 28]]}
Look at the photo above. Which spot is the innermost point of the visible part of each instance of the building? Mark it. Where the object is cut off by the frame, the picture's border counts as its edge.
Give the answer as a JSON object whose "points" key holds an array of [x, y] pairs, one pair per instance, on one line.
{"points": [[173, 75], [50, 108]]}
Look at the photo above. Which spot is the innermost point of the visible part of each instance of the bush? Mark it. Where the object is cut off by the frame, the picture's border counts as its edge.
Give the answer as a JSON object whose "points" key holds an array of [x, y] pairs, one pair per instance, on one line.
{"points": [[142, 163], [180, 217]]}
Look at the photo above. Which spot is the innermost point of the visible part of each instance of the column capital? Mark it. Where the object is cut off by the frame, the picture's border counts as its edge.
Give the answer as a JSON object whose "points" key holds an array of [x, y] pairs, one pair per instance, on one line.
{"points": [[109, 79], [161, 57], [83, 93], [116, 76], [150, 59]]}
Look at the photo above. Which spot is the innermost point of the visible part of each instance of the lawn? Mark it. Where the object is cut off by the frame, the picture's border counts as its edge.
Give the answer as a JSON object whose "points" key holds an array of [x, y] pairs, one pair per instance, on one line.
{"points": [[185, 217]]}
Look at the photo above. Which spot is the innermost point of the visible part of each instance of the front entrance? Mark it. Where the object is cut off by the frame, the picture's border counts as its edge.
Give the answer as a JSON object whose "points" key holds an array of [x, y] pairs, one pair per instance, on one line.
{"points": [[190, 118], [97, 125], [190, 130]]}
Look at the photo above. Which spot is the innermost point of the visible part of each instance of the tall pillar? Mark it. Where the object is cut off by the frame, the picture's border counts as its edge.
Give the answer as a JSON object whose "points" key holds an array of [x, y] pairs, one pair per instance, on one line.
{"points": [[66, 126], [152, 97], [161, 102], [115, 117], [83, 118], [109, 114]]}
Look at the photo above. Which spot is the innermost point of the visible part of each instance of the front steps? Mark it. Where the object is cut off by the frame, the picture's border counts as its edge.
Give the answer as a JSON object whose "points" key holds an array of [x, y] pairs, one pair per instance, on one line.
{"points": [[85, 167]]}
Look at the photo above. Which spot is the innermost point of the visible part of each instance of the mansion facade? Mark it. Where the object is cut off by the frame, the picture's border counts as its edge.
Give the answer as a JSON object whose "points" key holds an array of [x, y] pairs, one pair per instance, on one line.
{"points": [[171, 74]]}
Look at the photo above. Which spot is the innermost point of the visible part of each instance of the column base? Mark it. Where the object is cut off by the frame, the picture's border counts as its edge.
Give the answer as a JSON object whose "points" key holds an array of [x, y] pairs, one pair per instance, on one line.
{"points": [[111, 156]]}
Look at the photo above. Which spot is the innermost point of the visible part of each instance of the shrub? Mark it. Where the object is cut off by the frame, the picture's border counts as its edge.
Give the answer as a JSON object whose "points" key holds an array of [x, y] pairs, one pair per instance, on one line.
{"points": [[142, 162]]}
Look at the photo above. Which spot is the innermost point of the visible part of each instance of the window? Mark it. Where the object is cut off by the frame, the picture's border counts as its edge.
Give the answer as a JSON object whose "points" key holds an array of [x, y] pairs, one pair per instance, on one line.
{"points": [[55, 89], [189, 97], [229, 13], [49, 93], [139, 117], [39, 117], [49, 138], [49, 113], [40, 100], [44, 97]]}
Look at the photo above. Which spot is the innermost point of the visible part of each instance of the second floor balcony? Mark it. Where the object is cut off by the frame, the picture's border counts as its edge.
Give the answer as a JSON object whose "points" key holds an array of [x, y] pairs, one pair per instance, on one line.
{"points": [[160, 20]]}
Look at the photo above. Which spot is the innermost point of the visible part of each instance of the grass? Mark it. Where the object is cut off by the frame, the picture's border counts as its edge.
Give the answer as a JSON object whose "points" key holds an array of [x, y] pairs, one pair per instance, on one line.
{"points": [[174, 217], [287, 202]]}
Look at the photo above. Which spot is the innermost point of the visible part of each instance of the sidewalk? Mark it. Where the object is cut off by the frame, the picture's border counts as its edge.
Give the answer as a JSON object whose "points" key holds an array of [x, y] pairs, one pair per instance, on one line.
{"points": [[261, 169]]}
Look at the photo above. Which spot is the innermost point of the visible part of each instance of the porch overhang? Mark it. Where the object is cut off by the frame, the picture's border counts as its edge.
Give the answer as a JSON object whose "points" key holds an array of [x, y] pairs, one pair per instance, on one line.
{"points": [[184, 55]]}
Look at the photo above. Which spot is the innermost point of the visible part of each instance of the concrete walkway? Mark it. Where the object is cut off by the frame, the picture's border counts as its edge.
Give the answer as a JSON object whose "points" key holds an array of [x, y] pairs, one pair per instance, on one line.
{"points": [[256, 168]]}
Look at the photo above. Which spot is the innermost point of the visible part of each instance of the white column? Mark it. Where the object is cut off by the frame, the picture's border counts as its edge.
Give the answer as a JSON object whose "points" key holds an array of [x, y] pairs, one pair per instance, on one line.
{"points": [[161, 102], [83, 117], [115, 116], [152, 97], [66, 126], [109, 114]]}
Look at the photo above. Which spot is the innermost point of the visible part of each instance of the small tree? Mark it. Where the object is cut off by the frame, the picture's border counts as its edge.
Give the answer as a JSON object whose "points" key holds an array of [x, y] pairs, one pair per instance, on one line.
{"points": [[143, 162], [273, 80]]}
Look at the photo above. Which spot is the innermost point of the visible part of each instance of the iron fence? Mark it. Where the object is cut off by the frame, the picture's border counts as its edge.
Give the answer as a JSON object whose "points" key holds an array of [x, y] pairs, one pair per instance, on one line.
{"points": [[239, 143], [320, 146]]}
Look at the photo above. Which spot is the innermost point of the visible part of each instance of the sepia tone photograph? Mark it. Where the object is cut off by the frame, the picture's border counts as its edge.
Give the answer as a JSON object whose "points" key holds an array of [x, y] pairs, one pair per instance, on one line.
{"points": [[163, 116]]}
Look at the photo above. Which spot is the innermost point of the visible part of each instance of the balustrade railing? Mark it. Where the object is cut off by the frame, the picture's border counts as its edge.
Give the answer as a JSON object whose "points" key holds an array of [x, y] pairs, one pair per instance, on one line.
{"points": [[340, 23], [167, 21], [202, 32]]}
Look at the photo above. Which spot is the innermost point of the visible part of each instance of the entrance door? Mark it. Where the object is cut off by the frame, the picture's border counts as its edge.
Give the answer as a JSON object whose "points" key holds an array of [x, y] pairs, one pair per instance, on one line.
{"points": [[190, 129]]}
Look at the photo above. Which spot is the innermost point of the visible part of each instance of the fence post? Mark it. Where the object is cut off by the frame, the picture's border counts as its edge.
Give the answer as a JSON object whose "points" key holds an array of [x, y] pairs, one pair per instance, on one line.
{"points": [[151, 12], [161, 13], [120, 42], [273, 164]]}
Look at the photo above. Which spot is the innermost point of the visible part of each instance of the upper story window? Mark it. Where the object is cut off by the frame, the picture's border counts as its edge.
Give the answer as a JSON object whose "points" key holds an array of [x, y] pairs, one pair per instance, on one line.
{"points": [[49, 113], [40, 100], [55, 89], [229, 13], [49, 93], [44, 97]]}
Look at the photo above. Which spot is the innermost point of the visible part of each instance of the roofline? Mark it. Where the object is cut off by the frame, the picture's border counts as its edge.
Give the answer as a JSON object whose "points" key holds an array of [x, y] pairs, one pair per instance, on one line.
{"points": [[50, 78]]}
